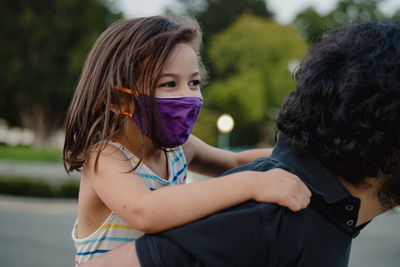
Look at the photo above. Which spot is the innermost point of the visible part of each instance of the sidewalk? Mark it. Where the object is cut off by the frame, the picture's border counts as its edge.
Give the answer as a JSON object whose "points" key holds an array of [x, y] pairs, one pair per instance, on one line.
{"points": [[41, 170], [33, 205]]}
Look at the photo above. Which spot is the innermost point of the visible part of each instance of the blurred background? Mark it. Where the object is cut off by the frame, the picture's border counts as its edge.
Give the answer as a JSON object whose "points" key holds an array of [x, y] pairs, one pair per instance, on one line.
{"points": [[250, 49]]}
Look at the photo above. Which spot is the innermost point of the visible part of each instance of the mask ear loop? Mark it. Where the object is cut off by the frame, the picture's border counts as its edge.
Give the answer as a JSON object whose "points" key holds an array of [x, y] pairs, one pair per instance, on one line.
{"points": [[127, 114], [128, 91], [125, 90]]}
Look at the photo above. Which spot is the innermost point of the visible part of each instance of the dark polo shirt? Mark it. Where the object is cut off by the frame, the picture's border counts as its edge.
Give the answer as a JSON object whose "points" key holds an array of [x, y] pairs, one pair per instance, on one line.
{"points": [[258, 234]]}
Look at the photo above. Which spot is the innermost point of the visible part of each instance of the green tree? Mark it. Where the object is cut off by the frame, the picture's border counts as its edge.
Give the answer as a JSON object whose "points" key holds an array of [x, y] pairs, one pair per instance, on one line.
{"points": [[252, 58], [42, 51], [311, 24], [215, 16]]}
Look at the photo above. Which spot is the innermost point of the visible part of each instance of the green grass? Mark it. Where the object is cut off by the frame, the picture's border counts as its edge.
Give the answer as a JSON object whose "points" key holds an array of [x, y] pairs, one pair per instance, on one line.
{"points": [[39, 188], [27, 153]]}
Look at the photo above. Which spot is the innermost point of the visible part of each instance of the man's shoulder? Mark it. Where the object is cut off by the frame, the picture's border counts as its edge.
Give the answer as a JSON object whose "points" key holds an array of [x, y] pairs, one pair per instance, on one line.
{"points": [[252, 229], [276, 221]]}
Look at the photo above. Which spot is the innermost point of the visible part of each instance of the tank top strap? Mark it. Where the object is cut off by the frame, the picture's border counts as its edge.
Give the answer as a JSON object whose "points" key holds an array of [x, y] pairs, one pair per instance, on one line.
{"points": [[134, 160], [177, 165]]}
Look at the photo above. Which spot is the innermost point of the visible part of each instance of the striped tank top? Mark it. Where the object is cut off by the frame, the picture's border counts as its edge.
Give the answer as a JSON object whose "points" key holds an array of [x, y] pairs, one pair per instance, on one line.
{"points": [[114, 232]]}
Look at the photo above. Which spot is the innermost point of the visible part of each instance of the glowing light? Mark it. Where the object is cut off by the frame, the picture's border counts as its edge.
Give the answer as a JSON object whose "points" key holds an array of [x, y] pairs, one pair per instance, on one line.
{"points": [[225, 123]]}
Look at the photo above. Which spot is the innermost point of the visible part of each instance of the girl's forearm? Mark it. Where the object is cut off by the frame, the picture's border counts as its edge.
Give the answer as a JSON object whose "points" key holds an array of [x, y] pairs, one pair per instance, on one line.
{"points": [[177, 205], [247, 156]]}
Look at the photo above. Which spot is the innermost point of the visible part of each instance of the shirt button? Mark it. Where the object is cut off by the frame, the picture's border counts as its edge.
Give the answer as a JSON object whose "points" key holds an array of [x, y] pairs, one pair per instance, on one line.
{"points": [[349, 207], [350, 222]]}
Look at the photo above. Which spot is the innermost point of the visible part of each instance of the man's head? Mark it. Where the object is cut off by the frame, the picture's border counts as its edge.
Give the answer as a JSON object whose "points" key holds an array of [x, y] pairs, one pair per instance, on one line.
{"points": [[345, 109]]}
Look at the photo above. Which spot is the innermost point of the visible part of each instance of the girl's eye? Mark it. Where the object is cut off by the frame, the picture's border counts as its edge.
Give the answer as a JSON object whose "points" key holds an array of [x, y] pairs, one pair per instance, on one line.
{"points": [[194, 83], [168, 84]]}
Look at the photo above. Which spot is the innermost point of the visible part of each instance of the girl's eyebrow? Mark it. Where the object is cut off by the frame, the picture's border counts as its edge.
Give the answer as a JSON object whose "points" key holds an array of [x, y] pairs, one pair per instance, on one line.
{"points": [[174, 75]]}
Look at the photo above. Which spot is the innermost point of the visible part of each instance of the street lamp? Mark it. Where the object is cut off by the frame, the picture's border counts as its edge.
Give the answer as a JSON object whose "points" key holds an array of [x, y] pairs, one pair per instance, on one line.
{"points": [[225, 125]]}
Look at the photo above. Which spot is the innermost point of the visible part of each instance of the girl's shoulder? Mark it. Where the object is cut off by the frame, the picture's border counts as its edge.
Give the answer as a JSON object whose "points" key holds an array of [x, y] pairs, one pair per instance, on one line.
{"points": [[106, 161], [106, 153]]}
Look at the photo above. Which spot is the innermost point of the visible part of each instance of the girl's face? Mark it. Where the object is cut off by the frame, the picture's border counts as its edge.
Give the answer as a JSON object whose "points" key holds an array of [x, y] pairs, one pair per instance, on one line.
{"points": [[180, 75]]}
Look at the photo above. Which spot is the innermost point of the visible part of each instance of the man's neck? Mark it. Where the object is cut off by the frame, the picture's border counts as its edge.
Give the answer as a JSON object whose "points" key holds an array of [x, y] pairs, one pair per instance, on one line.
{"points": [[367, 192]]}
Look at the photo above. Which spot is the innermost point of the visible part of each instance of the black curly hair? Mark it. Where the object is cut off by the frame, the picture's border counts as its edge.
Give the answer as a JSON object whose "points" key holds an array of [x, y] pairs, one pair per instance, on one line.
{"points": [[345, 108]]}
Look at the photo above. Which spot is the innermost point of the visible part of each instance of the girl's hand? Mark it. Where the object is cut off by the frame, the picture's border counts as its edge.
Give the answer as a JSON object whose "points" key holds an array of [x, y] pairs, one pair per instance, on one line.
{"points": [[283, 188]]}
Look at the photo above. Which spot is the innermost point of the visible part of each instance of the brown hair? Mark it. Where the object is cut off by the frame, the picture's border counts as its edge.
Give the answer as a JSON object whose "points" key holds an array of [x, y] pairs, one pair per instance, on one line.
{"points": [[130, 54]]}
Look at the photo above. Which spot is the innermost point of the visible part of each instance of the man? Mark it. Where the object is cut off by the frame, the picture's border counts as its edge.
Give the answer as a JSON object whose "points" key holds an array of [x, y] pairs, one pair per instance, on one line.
{"points": [[340, 133]]}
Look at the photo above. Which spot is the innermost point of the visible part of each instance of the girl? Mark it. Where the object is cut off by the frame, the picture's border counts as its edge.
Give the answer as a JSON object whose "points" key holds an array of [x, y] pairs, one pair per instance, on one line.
{"points": [[128, 130]]}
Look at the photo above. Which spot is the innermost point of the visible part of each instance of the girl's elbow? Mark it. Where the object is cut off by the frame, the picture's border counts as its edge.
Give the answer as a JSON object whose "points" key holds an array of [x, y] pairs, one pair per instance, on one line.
{"points": [[143, 221], [146, 225], [150, 229]]}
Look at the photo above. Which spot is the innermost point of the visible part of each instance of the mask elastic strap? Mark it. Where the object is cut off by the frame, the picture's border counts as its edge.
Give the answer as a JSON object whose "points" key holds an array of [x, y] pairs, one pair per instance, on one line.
{"points": [[127, 114], [126, 90]]}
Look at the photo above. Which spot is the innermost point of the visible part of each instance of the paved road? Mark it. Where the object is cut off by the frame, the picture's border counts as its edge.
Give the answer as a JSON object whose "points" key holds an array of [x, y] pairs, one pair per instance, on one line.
{"points": [[35, 232], [378, 245]]}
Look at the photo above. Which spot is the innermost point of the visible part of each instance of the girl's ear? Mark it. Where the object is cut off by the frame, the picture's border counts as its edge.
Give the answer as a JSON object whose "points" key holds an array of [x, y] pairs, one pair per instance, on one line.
{"points": [[120, 104], [123, 109]]}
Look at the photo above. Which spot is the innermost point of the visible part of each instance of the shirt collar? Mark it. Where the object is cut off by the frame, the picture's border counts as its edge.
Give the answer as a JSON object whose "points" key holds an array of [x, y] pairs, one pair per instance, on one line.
{"points": [[340, 205], [311, 171]]}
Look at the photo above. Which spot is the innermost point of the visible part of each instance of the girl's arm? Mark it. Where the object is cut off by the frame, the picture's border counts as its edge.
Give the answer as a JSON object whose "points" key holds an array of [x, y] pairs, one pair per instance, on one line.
{"points": [[212, 161], [152, 211]]}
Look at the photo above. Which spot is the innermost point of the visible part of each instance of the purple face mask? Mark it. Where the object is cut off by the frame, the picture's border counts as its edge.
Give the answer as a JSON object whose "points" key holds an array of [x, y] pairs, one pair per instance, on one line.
{"points": [[177, 118]]}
